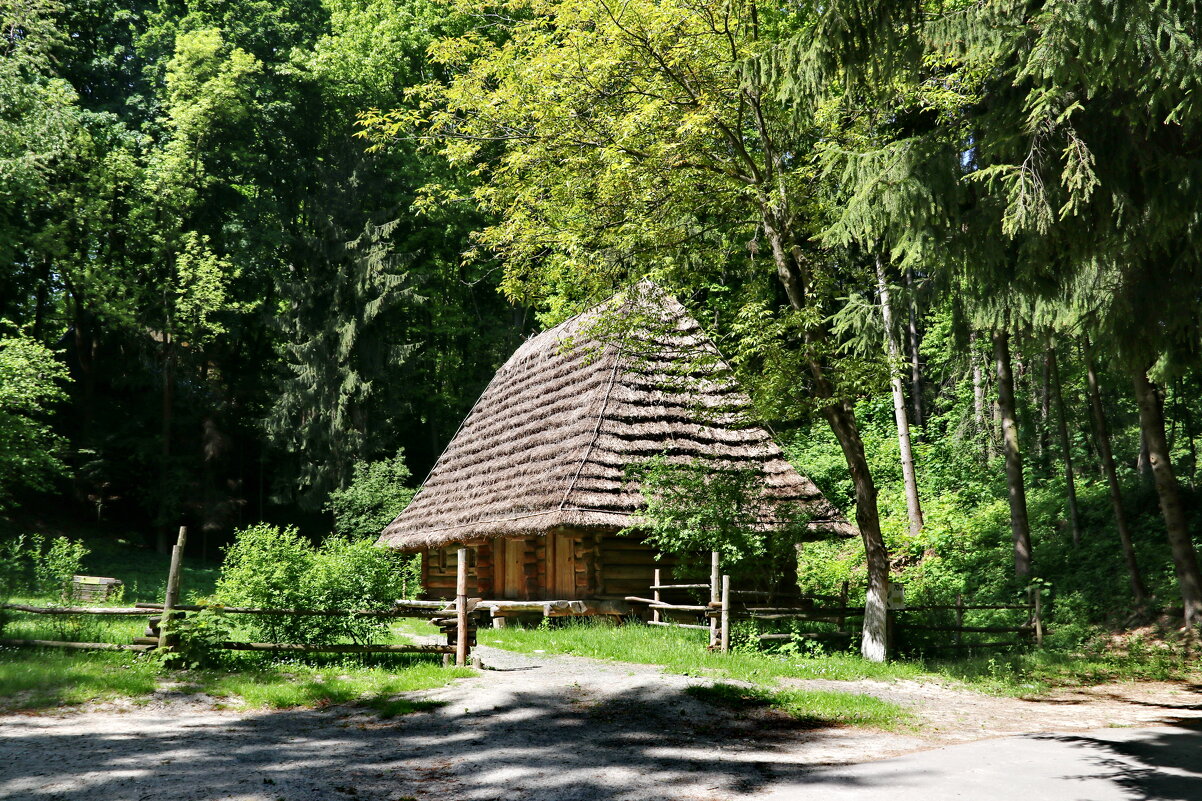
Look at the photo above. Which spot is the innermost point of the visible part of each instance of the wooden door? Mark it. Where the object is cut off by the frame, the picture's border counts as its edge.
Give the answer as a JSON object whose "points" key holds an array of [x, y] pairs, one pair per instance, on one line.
{"points": [[512, 560], [561, 564]]}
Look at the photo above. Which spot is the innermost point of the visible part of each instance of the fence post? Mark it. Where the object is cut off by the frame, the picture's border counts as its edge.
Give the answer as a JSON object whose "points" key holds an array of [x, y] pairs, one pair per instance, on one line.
{"points": [[725, 641], [167, 639], [841, 621], [461, 609], [715, 597], [959, 618], [655, 597], [1038, 614]]}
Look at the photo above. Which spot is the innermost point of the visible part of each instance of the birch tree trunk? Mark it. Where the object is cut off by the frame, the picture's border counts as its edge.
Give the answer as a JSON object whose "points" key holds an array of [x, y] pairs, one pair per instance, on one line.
{"points": [[1185, 557], [1019, 526], [1138, 591], [792, 272], [913, 505]]}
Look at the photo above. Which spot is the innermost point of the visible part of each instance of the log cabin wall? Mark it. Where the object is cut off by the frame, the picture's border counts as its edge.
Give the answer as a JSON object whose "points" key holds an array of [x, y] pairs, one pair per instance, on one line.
{"points": [[563, 564], [626, 566]]}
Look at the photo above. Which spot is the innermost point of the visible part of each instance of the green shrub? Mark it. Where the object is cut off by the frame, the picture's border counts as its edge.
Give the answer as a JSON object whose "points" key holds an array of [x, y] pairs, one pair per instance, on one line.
{"points": [[378, 492], [54, 567], [277, 568]]}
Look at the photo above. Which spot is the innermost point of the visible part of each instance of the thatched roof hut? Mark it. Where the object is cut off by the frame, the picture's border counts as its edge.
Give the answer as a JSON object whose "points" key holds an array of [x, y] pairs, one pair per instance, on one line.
{"points": [[547, 446]]}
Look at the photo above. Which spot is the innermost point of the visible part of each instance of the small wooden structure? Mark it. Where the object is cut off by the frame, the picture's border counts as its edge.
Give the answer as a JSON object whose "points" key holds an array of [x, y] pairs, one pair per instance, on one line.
{"points": [[536, 481], [94, 588]]}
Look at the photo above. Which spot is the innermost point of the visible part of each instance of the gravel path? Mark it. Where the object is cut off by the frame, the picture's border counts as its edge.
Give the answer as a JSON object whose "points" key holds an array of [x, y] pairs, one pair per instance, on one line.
{"points": [[537, 728]]}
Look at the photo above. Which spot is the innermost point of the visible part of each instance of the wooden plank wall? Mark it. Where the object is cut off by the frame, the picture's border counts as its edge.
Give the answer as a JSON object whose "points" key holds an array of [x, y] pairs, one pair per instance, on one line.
{"points": [[560, 565]]}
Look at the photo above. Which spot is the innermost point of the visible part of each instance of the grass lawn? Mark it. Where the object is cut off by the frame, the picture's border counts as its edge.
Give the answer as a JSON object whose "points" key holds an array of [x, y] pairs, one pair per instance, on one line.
{"points": [[812, 707], [36, 679], [683, 651]]}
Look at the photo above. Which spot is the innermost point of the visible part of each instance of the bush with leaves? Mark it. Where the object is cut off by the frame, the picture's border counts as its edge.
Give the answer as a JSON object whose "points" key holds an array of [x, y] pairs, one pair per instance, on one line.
{"points": [[277, 568], [30, 385], [698, 506], [377, 493]]}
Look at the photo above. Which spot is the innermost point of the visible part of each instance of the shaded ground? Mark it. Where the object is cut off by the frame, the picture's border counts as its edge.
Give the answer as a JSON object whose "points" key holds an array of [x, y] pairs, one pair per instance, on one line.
{"points": [[544, 728]]}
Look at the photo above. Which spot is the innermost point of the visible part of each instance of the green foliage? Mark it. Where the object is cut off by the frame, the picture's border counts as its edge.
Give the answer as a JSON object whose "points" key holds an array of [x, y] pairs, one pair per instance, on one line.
{"points": [[698, 506], [54, 568], [200, 635], [268, 567], [376, 494], [30, 386]]}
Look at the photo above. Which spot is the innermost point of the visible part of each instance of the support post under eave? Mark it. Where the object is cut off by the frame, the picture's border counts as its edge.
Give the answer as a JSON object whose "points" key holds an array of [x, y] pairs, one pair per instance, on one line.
{"points": [[461, 608]]}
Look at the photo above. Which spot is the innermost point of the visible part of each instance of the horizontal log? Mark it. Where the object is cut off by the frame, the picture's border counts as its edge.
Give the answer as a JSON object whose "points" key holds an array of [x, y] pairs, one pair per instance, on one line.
{"points": [[815, 615], [410, 610], [337, 649], [829, 611], [966, 607], [812, 635], [968, 645], [134, 611], [680, 607], [678, 625], [679, 586], [969, 629], [81, 646], [641, 573]]}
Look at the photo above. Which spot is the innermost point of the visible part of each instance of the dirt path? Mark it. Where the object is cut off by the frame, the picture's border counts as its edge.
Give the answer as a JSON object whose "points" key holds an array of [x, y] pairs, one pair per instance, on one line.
{"points": [[537, 728]]}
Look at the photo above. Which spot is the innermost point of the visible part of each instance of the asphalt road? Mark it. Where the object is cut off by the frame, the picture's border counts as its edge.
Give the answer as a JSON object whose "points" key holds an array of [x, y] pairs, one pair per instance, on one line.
{"points": [[1155, 764]]}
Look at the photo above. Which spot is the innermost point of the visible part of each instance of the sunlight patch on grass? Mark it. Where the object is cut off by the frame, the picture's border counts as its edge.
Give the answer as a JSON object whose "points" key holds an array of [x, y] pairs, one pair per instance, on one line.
{"points": [[39, 679], [809, 707], [32, 679], [683, 651], [295, 685]]}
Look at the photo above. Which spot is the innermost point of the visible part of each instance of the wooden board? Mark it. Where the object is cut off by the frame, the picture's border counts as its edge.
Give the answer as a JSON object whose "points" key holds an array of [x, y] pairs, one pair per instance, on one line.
{"points": [[562, 560]]}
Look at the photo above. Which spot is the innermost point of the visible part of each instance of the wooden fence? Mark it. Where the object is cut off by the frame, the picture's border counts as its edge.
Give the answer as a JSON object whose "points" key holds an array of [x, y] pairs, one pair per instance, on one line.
{"points": [[457, 620], [728, 604], [1033, 629]]}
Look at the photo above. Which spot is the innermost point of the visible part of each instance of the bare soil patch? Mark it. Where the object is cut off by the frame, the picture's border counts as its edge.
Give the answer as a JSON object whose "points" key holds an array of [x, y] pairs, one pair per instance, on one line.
{"points": [[536, 727]]}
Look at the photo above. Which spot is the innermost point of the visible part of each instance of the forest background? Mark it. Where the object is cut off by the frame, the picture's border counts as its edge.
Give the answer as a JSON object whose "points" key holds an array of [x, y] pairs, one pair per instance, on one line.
{"points": [[251, 250]]}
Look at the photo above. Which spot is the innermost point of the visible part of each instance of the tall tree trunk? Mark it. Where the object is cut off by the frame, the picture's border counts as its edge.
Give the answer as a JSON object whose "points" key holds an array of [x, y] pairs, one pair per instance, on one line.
{"points": [[1045, 409], [1019, 526], [168, 407], [913, 505], [842, 419], [920, 417], [790, 270], [1143, 462], [1070, 482], [1138, 591], [1185, 556], [978, 392]]}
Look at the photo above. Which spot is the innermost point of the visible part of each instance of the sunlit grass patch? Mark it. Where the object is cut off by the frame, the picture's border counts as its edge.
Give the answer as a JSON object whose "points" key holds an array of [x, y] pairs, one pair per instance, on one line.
{"points": [[38, 679], [808, 707], [33, 679], [684, 651], [296, 685]]}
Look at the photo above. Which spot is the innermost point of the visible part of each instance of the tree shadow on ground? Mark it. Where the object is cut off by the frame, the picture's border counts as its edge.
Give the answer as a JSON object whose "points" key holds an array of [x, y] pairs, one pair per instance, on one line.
{"points": [[647, 742], [1160, 765]]}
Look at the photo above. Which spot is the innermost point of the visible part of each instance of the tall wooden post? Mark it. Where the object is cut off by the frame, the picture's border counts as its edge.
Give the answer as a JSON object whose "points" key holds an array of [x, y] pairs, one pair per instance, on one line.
{"points": [[655, 597], [1037, 612], [725, 636], [167, 638], [461, 608], [715, 596], [959, 617]]}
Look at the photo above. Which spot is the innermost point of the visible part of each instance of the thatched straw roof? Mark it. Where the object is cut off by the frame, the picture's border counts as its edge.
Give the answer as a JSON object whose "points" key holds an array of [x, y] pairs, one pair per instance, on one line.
{"points": [[549, 442]]}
